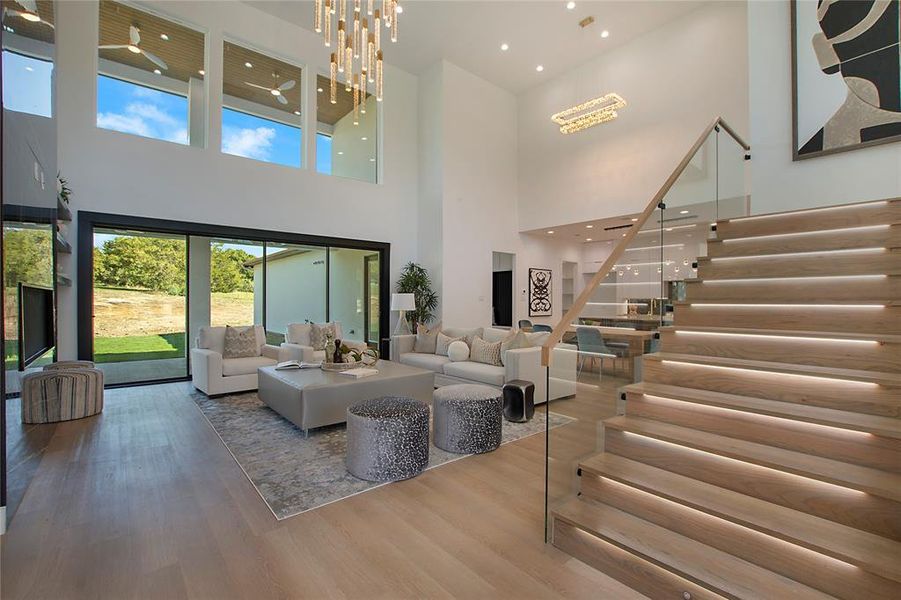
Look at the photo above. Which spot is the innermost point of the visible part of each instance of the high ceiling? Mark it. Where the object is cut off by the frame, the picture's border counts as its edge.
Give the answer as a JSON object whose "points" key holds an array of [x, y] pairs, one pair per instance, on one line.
{"points": [[469, 34], [36, 30]]}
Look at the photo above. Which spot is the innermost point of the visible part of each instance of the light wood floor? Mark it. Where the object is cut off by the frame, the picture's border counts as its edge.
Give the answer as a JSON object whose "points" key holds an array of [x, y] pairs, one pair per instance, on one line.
{"points": [[144, 501]]}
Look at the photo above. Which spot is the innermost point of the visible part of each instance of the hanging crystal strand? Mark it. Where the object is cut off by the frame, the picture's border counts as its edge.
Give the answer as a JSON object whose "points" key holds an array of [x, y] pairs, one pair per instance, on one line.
{"points": [[378, 76], [386, 12], [328, 24], [333, 79], [342, 10], [369, 4], [341, 43], [356, 38], [370, 65], [317, 16], [393, 20], [357, 6], [348, 67], [362, 87], [377, 30], [356, 104], [364, 44]]}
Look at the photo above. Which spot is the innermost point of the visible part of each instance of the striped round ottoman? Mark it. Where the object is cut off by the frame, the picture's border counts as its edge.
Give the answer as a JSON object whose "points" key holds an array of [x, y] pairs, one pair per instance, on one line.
{"points": [[468, 418], [61, 395], [387, 439]]}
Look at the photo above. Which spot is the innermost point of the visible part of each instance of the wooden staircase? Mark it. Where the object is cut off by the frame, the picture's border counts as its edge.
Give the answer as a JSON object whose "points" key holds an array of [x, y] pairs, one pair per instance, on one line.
{"points": [[761, 455]]}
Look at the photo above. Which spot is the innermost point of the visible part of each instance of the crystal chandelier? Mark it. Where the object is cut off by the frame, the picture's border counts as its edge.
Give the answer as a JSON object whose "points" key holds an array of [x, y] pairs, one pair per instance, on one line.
{"points": [[357, 40], [588, 114]]}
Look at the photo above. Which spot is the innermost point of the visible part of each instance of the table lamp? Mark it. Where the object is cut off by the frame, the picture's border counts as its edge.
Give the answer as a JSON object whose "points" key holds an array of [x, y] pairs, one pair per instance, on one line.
{"points": [[403, 303]]}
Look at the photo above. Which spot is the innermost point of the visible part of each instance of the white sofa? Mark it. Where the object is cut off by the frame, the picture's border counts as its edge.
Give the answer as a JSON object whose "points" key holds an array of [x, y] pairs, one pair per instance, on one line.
{"points": [[297, 345], [520, 363], [212, 374]]}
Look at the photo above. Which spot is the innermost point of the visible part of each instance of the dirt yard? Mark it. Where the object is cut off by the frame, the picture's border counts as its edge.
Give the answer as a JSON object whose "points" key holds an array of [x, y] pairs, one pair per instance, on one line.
{"points": [[119, 312]]}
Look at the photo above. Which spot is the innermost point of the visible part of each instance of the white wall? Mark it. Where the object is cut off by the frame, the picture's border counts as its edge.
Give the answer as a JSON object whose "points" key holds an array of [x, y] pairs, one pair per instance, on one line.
{"points": [[355, 152], [120, 173], [778, 183], [675, 79]]}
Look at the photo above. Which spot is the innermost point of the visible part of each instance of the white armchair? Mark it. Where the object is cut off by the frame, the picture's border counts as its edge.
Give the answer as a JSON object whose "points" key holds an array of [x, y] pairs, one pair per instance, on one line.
{"points": [[212, 374], [297, 344]]}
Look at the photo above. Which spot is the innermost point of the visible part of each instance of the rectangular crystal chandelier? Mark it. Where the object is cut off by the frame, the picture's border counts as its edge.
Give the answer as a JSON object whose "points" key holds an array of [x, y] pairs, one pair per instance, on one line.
{"points": [[589, 113]]}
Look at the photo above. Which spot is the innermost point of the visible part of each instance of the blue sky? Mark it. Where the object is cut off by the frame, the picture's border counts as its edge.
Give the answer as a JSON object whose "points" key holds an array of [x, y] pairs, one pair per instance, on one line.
{"points": [[27, 84]]}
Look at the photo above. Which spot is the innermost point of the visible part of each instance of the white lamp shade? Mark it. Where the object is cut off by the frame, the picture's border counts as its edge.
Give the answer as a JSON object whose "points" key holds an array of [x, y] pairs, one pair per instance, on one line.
{"points": [[403, 302]]}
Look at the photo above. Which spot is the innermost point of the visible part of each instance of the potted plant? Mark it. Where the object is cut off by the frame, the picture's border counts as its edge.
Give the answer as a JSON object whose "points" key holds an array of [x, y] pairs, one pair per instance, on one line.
{"points": [[415, 279]]}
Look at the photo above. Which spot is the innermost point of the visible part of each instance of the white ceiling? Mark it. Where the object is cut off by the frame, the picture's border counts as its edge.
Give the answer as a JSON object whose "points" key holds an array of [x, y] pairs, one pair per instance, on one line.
{"points": [[469, 34]]}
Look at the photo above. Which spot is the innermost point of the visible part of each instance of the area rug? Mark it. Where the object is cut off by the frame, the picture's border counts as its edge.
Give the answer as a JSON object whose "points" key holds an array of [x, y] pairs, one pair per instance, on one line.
{"points": [[294, 474]]}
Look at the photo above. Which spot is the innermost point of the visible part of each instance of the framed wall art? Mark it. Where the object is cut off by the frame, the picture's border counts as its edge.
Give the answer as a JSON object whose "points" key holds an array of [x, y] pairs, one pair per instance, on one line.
{"points": [[540, 293]]}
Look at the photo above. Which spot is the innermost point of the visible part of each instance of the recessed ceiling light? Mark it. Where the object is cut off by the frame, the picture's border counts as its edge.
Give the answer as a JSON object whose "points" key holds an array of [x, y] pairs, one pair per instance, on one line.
{"points": [[589, 226], [605, 34], [319, 90], [551, 231], [683, 212], [202, 72], [505, 46], [635, 219], [364, 138], [157, 71], [297, 112], [587, 239], [165, 37], [340, 152], [570, 5], [249, 65], [539, 68], [624, 235]]}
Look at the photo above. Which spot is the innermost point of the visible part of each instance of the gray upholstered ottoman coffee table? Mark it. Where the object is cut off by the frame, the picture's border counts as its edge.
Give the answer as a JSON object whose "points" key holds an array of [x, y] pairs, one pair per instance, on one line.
{"points": [[468, 418], [314, 398], [387, 439]]}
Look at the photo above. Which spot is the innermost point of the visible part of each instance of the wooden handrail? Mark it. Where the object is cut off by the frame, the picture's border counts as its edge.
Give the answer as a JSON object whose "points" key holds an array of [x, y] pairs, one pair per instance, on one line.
{"points": [[579, 304]]}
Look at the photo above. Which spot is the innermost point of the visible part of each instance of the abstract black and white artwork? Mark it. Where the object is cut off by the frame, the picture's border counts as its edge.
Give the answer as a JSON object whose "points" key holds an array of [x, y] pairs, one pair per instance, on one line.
{"points": [[540, 292], [846, 75]]}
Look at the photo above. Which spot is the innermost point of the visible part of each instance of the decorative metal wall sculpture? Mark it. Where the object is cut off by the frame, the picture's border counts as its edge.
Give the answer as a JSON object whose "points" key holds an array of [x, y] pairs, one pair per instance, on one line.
{"points": [[540, 291]]}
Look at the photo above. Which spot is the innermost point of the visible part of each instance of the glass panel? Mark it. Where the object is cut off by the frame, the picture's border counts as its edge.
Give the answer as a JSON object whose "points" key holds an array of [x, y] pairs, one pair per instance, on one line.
{"points": [[150, 76], [295, 287], [236, 282], [27, 259], [140, 308], [351, 149], [350, 292], [732, 197], [373, 295], [261, 107], [28, 52]]}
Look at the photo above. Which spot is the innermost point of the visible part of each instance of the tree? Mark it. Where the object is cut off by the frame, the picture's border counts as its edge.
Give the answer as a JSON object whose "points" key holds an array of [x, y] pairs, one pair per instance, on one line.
{"points": [[415, 279], [227, 270], [28, 256]]}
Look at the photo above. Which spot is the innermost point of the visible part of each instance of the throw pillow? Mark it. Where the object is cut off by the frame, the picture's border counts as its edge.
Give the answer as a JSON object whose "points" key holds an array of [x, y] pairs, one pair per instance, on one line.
{"points": [[240, 342], [443, 342], [515, 341], [485, 352], [318, 334], [426, 339], [458, 351]]}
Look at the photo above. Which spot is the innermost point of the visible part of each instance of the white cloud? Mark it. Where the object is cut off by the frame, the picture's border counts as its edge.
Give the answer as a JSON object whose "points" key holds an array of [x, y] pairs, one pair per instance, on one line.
{"points": [[151, 112], [252, 143], [124, 123]]}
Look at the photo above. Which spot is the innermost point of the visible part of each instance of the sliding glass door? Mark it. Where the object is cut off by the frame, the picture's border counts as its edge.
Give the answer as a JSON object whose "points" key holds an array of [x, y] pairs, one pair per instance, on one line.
{"points": [[139, 305]]}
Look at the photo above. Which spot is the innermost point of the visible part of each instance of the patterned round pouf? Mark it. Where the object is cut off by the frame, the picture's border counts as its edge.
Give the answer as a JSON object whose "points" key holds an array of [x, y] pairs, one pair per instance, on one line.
{"points": [[468, 418], [387, 439]]}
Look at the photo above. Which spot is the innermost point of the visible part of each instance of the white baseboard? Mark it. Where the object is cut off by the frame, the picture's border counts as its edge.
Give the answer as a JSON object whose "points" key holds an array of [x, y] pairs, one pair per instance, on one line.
{"points": [[2, 520]]}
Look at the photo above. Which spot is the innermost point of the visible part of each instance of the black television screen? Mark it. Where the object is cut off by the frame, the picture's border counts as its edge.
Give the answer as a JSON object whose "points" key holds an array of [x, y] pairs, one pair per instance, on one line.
{"points": [[36, 330]]}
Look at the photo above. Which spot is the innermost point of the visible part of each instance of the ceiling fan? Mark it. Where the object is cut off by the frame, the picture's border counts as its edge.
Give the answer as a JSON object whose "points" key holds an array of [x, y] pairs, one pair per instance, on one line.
{"points": [[134, 39], [276, 91], [29, 14]]}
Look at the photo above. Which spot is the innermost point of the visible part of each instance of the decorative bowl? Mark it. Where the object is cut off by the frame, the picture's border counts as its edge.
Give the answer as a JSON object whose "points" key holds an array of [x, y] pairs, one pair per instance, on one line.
{"points": [[337, 367]]}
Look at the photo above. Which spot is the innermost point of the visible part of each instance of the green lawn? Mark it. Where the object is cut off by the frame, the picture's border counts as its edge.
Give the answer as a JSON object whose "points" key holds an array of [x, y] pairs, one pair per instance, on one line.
{"points": [[139, 347]]}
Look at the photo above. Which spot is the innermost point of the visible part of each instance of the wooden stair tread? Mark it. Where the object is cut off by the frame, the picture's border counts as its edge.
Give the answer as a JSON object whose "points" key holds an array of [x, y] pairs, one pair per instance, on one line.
{"points": [[816, 264], [709, 567], [877, 337], [866, 550], [874, 424], [886, 235], [802, 302], [873, 481], [888, 379]]}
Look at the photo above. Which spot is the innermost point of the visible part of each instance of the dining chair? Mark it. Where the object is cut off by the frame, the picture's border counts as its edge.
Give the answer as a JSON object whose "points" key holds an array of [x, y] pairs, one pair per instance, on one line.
{"points": [[524, 323], [539, 327], [593, 346]]}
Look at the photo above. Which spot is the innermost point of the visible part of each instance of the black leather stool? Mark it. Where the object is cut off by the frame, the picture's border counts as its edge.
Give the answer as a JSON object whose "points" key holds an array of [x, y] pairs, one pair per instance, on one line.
{"points": [[519, 400]]}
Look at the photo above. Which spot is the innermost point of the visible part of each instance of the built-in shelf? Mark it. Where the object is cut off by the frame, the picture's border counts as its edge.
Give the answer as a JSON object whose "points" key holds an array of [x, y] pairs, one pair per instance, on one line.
{"points": [[62, 246], [62, 212]]}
